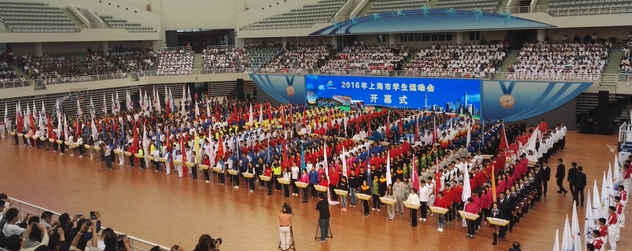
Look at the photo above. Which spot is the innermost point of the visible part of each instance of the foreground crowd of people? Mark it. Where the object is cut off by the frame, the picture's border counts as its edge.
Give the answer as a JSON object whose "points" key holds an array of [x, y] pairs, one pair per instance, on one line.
{"points": [[395, 153]]}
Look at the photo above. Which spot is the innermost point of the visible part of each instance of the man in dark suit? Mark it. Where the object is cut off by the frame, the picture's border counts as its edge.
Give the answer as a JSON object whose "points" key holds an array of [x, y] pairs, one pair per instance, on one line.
{"points": [[537, 182], [559, 175], [504, 205], [571, 181], [579, 183], [546, 176]]}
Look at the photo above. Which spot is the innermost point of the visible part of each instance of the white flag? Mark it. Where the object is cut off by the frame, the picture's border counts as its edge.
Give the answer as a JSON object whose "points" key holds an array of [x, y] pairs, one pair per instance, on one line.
{"points": [[597, 211], [197, 110], [104, 108], [6, 116], [576, 234], [567, 243], [92, 111], [79, 110], [556, 243], [117, 104], [158, 106], [605, 196], [589, 220], [251, 119], [260, 114], [343, 157]]}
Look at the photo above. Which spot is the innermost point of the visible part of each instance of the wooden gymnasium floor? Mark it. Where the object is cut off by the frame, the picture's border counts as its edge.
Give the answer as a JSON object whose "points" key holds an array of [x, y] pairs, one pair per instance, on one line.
{"points": [[169, 210]]}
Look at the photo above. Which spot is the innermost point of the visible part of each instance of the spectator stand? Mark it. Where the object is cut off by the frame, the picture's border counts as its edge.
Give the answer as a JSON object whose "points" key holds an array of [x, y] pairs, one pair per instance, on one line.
{"points": [[301, 58], [175, 61], [460, 61], [224, 59], [68, 68], [136, 244], [134, 60], [376, 59], [260, 54], [568, 61]]}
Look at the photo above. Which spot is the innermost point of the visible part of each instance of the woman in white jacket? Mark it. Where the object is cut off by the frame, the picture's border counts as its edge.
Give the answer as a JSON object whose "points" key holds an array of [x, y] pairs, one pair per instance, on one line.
{"points": [[413, 199]]}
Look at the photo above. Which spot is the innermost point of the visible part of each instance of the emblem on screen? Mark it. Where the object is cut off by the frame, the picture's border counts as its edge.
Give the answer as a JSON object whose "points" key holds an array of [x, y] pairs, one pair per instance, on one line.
{"points": [[507, 101]]}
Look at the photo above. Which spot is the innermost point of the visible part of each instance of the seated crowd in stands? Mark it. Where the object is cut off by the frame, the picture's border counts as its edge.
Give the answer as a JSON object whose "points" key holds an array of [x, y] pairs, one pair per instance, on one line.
{"points": [[300, 57], [175, 62], [67, 68], [133, 59], [224, 59], [475, 60], [560, 61], [7, 74], [624, 66], [373, 59]]}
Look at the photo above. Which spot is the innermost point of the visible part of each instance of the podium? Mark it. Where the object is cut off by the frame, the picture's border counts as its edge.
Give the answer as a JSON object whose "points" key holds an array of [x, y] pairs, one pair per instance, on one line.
{"points": [[283, 181], [362, 196], [497, 222], [468, 216], [320, 188], [411, 205], [340, 192], [301, 184], [439, 210], [387, 201]]}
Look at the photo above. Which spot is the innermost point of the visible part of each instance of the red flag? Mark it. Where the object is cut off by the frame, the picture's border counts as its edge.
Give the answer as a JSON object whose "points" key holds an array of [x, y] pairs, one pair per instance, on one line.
{"points": [[413, 175], [19, 121], [168, 143], [286, 163], [329, 126], [235, 112], [282, 118], [77, 127], [183, 150], [503, 140], [50, 126], [437, 181], [388, 125], [32, 121], [220, 148], [291, 115], [368, 122], [134, 148]]}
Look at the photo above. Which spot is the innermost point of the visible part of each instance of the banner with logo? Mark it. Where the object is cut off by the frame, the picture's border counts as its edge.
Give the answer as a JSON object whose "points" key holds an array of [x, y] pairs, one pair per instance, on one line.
{"points": [[518, 100]]}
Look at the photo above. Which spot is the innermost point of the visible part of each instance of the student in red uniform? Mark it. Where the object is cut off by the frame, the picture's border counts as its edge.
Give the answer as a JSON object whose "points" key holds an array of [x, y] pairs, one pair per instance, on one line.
{"points": [[268, 173], [618, 209], [603, 229], [472, 208], [442, 202], [597, 243], [613, 228]]}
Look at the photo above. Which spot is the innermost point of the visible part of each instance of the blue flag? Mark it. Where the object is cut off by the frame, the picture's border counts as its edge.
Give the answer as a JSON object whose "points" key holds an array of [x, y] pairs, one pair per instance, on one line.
{"points": [[303, 165], [268, 159], [122, 138], [368, 167], [158, 139]]}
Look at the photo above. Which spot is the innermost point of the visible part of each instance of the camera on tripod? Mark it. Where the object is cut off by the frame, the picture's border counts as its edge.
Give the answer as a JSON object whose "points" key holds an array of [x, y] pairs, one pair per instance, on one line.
{"points": [[286, 208]]}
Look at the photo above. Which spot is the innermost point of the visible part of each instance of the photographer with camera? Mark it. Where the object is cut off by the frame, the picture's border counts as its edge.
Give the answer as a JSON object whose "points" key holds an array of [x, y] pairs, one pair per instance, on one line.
{"points": [[285, 226], [323, 220], [207, 243]]}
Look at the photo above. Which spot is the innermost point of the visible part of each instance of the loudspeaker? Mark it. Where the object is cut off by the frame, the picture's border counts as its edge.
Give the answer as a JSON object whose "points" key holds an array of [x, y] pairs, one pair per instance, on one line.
{"points": [[603, 114], [239, 93]]}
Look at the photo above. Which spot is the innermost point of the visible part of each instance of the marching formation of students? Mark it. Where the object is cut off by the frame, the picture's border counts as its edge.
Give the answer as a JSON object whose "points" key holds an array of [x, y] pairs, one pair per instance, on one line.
{"points": [[429, 159]]}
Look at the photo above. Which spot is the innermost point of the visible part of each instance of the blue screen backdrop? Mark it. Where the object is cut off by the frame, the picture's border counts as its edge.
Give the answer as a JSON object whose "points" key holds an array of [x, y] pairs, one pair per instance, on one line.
{"points": [[417, 93]]}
